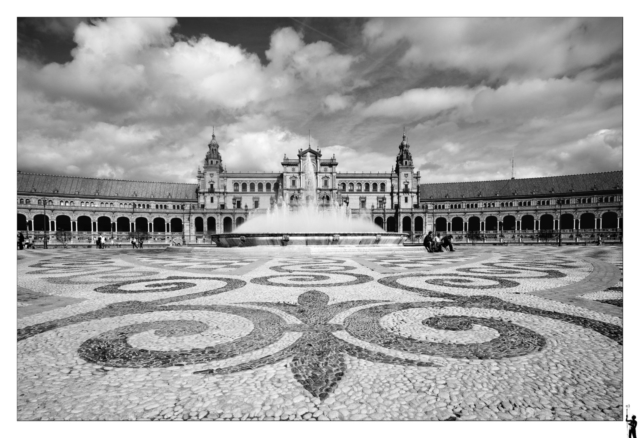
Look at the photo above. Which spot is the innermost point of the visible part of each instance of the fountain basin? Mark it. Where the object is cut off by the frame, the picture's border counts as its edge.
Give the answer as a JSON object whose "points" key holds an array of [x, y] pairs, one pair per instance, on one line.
{"points": [[308, 239]]}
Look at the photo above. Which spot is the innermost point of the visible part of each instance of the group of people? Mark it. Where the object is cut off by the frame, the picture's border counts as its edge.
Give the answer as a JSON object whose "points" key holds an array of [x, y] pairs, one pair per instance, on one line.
{"points": [[104, 242], [436, 243], [137, 243], [25, 243]]}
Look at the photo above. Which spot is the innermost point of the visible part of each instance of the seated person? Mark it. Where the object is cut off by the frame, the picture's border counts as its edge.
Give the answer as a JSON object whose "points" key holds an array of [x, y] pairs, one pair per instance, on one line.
{"points": [[447, 242], [437, 243], [428, 242]]}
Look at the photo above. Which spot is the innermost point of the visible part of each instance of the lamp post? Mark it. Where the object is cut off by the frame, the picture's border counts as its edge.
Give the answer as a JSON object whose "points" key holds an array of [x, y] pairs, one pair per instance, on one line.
{"points": [[560, 202], [384, 214], [424, 226], [45, 220]]}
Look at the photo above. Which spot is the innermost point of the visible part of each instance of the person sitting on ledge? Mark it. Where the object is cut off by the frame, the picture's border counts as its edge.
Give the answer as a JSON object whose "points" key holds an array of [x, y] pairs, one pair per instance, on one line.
{"points": [[447, 242], [428, 242], [437, 247]]}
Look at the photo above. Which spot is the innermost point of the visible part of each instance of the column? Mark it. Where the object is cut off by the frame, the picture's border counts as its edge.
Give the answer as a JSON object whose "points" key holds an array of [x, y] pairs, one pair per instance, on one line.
{"points": [[554, 224], [168, 227], [618, 223], [599, 223], [482, 225], [578, 224]]}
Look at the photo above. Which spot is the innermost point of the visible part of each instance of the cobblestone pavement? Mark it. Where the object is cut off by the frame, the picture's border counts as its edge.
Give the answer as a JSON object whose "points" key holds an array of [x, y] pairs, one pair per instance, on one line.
{"points": [[485, 333]]}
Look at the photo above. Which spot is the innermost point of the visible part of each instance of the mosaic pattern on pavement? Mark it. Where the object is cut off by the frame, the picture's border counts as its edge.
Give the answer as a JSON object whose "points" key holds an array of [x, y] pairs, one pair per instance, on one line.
{"points": [[323, 335]]}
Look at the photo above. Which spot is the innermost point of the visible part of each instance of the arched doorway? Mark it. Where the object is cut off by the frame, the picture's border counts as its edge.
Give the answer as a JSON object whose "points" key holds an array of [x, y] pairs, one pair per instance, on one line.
{"points": [[84, 224], [419, 225], [63, 223], [566, 221], [457, 224], [123, 225], [474, 224], [491, 223], [509, 223], [211, 225], [104, 224], [391, 225], [406, 224], [587, 221], [199, 223], [142, 225], [441, 224], [227, 224], [22, 222], [239, 221], [610, 220], [527, 223], [159, 225], [176, 225], [546, 222], [41, 223], [379, 222]]}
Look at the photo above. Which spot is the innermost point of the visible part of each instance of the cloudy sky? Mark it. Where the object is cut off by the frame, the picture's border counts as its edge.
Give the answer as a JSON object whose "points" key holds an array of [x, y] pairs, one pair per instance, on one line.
{"points": [[136, 98]]}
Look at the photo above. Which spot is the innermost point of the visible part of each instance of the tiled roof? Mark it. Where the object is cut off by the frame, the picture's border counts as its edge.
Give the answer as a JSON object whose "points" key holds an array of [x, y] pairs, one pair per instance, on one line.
{"points": [[552, 185], [74, 185]]}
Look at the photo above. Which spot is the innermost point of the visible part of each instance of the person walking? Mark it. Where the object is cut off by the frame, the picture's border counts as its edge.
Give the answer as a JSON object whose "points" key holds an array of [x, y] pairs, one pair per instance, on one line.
{"points": [[141, 242], [428, 242], [45, 241], [20, 241], [447, 242], [133, 242]]}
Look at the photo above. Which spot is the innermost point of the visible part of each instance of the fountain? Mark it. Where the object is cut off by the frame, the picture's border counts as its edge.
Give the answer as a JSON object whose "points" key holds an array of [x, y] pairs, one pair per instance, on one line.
{"points": [[307, 223]]}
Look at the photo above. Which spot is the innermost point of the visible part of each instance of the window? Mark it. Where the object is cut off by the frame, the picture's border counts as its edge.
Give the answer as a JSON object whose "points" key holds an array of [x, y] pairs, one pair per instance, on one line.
{"points": [[325, 182], [359, 187], [252, 187], [351, 187], [61, 202], [236, 187], [256, 203], [238, 203], [212, 199], [363, 203], [268, 187], [343, 187], [244, 187], [406, 199], [293, 182], [375, 187], [366, 187], [71, 203], [27, 201], [260, 187], [211, 187], [382, 187], [22, 201], [39, 201]]}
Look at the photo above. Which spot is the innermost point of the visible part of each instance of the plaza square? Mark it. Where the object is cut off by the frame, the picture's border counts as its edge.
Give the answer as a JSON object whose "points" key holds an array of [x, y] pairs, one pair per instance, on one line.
{"points": [[315, 333]]}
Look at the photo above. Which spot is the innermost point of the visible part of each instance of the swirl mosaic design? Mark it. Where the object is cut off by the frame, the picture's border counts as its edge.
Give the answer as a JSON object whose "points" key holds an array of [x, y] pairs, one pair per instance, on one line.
{"points": [[318, 327]]}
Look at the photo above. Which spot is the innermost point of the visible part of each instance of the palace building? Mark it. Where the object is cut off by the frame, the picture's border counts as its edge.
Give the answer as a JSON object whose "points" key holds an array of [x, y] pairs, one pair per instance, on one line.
{"points": [[581, 206]]}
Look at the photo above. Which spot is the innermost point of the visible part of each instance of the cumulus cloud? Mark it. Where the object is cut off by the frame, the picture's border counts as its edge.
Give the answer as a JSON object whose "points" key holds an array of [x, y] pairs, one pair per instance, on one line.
{"points": [[500, 47], [336, 102]]}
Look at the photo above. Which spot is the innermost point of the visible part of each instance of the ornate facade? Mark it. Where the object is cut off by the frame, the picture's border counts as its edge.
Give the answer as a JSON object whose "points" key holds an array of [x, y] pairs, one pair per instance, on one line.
{"points": [[582, 206]]}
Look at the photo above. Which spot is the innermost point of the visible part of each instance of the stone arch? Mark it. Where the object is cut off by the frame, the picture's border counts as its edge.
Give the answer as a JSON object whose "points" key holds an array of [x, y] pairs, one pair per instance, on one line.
{"points": [[123, 225], [610, 220], [227, 224], [527, 223], [22, 222], [142, 224], [441, 224], [391, 225], [84, 224], [546, 222], [239, 221], [406, 224], [419, 224], [104, 224], [379, 222], [457, 224], [473, 224], [491, 223], [176, 225], [566, 221], [199, 224], [41, 223], [211, 225], [63, 223], [509, 223], [159, 225], [587, 221]]}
